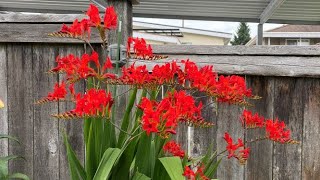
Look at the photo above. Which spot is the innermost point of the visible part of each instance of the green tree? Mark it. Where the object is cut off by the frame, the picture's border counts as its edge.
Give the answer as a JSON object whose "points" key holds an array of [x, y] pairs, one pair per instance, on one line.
{"points": [[242, 36]]}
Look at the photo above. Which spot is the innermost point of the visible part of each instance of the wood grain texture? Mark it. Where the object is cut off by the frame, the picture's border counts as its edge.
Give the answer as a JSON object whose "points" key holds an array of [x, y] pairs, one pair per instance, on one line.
{"points": [[228, 121], [251, 65], [289, 96], [37, 33], [73, 128], [46, 129], [236, 50], [17, 17], [124, 11], [311, 131], [3, 96], [20, 106], [259, 164], [203, 138]]}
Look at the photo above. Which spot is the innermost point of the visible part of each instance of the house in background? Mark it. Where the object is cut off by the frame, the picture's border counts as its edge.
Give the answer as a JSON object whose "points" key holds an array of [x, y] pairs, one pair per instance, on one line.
{"points": [[296, 35], [164, 34]]}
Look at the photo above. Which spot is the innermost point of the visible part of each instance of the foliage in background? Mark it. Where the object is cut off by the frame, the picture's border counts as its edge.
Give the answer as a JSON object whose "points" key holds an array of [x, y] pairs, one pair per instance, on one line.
{"points": [[140, 145], [243, 35], [4, 161]]}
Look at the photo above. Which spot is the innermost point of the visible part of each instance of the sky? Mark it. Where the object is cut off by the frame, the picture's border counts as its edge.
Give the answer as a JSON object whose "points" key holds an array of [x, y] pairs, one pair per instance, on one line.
{"points": [[229, 27]]}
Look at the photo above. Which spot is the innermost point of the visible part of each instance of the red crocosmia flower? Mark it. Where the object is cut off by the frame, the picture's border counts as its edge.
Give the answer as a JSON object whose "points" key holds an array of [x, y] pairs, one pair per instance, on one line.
{"points": [[140, 47], [166, 114], [234, 149], [76, 68], [150, 119], [107, 64], [200, 173], [71, 89], [65, 29], [77, 28], [191, 175], [110, 18], [94, 16], [188, 173], [135, 75], [94, 103], [165, 74], [232, 89], [252, 121], [83, 70], [58, 93], [276, 131], [173, 148], [95, 58]]}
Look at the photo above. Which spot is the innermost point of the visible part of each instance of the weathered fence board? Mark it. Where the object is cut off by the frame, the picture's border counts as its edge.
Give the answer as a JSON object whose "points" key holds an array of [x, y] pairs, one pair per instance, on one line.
{"points": [[228, 121], [21, 105], [292, 66], [261, 152], [311, 131], [289, 95], [46, 132], [3, 96]]}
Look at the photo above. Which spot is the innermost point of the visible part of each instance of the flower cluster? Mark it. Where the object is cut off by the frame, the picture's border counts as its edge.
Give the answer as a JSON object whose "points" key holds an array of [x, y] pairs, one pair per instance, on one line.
{"points": [[234, 149], [173, 148], [140, 47], [58, 93], [163, 117], [191, 175], [252, 121], [231, 89], [77, 68], [94, 103], [82, 28], [275, 130]]}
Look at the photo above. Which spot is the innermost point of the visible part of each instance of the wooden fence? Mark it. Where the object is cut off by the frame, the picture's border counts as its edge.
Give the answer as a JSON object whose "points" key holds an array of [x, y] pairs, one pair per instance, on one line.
{"points": [[287, 79]]}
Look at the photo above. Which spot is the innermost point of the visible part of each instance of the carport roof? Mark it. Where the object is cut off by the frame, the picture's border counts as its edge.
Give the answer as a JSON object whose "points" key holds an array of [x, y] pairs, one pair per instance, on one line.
{"points": [[260, 11]]}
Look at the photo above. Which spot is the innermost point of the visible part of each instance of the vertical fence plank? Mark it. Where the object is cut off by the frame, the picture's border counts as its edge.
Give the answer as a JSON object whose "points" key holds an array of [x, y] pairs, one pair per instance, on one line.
{"points": [[259, 165], [311, 131], [289, 98], [46, 131], [3, 96], [228, 121], [202, 138], [20, 106], [73, 128]]}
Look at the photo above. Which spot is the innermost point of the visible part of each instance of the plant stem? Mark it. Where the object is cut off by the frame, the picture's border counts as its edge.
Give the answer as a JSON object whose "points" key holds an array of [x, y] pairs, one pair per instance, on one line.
{"points": [[120, 128]]}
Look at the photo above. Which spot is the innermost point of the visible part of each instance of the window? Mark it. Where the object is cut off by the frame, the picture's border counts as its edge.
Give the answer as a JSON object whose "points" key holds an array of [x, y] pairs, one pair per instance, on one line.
{"points": [[298, 42], [305, 42]]}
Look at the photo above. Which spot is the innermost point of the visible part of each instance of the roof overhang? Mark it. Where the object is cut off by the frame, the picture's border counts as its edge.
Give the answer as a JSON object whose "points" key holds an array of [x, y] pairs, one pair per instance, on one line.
{"points": [[260, 11], [159, 38], [185, 30]]}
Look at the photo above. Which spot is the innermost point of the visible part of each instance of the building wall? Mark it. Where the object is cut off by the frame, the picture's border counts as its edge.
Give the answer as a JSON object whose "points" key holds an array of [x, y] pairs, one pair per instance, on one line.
{"points": [[196, 39], [282, 41]]}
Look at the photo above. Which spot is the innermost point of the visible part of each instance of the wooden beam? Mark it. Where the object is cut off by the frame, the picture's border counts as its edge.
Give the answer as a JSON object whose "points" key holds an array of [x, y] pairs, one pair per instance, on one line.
{"points": [[290, 66], [17, 17], [269, 10], [237, 50]]}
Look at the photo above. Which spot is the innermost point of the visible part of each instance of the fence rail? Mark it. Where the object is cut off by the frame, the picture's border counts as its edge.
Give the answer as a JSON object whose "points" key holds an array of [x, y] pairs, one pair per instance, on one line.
{"points": [[287, 79]]}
